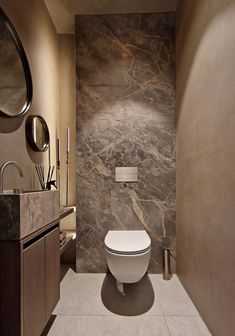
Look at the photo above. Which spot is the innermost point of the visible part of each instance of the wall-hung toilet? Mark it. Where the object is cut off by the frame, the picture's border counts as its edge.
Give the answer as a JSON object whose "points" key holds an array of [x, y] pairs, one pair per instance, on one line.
{"points": [[128, 254]]}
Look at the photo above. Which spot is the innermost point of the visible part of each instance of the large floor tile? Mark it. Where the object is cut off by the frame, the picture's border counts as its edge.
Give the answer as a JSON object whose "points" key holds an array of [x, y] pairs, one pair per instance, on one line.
{"points": [[96, 294], [139, 298], [173, 297], [91, 305], [80, 295], [108, 325], [186, 326]]}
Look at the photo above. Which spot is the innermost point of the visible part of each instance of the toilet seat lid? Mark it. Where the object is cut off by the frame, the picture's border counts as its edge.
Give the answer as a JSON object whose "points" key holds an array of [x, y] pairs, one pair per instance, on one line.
{"points": [[127, 242]]}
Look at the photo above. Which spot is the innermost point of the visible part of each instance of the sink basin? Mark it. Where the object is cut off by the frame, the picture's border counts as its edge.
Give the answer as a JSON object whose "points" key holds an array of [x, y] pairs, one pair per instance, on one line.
{"points": [[27, 212]]}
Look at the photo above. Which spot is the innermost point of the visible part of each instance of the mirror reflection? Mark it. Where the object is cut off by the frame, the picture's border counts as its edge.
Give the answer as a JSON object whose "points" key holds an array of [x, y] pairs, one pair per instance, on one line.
{"points": [[15, 83], [37, 133]]}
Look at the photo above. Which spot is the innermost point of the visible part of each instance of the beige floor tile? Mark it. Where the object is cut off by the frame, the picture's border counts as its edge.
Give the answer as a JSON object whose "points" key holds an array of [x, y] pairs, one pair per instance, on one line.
{"points": [[96, 294], [80, 294], [173, 297], [186, 326], [91, 305], [65, 325]]}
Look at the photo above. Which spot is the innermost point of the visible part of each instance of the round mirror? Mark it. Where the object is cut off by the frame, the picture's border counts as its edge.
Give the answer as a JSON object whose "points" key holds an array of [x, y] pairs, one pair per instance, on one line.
{"points": [[16, 81], [37, 133]]}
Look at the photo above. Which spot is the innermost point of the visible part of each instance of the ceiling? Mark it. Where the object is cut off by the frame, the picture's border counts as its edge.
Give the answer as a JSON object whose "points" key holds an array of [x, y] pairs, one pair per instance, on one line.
{"points": [[63, 11]]}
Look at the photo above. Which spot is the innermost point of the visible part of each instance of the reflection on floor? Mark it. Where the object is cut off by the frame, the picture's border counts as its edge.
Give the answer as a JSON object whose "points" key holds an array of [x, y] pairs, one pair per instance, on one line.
{"points": [[90, 305]]}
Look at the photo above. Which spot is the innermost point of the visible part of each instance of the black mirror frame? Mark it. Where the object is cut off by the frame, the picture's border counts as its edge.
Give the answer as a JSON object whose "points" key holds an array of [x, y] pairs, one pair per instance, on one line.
{"points": [[29, 133], [27, 73]]}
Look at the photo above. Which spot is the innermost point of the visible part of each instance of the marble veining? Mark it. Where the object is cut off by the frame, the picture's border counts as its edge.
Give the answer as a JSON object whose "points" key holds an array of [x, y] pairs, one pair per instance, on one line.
{"points": [[23, 214], [125, 117]]}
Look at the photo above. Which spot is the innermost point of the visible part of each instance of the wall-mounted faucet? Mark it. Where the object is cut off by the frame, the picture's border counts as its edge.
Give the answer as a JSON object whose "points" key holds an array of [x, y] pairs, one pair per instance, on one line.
{"points": [[8, 163]]}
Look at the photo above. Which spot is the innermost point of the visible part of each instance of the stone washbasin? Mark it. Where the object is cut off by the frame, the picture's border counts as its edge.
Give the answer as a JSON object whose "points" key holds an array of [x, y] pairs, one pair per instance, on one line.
{"points": [[24, 213]]}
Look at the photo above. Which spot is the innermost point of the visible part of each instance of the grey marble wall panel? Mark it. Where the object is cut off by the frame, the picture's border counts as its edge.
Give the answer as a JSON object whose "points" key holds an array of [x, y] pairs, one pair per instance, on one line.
{"points": [[125, 117]]}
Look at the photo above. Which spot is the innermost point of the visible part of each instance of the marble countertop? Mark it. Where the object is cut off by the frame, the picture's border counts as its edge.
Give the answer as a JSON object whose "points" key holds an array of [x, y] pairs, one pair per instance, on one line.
{"points": [[24, 213]]}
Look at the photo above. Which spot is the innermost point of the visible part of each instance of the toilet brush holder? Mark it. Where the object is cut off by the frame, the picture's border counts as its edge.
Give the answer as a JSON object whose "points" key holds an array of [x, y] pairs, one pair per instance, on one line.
{"points": [[166, 264]]}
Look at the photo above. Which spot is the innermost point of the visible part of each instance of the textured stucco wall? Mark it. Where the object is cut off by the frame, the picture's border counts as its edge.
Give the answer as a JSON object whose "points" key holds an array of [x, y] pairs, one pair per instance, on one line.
{"points": [[39, 38], [67, 80], [63, 11], [206, 158], [67, 70]]}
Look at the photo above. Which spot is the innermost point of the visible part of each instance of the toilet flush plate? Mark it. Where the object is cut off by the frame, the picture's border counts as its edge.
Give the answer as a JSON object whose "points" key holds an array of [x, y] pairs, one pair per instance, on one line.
{"points": [[126, 174]]}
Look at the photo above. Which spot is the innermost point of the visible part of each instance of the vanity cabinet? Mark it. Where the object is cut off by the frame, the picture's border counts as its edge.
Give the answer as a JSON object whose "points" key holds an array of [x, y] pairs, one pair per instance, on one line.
{"points": [[52, 257], [34, 288], [29, 282]]}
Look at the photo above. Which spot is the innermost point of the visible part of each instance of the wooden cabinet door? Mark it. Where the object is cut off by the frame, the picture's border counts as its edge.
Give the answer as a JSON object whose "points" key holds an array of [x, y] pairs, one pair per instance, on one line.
{"points": [[52, 253], [34, 288], [10, 289]]}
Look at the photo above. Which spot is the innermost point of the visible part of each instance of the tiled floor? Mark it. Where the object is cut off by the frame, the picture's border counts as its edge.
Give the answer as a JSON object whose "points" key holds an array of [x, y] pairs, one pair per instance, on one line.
{"points": [[90, 305]]}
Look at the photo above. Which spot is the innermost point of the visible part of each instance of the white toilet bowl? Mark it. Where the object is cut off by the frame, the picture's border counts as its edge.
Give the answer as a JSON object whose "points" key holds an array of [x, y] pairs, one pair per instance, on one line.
{"points": [[128, 254]]}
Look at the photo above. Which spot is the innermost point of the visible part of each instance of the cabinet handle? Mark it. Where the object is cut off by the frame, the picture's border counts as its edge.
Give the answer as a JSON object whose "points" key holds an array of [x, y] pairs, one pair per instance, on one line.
{"points": [[40, 236]]}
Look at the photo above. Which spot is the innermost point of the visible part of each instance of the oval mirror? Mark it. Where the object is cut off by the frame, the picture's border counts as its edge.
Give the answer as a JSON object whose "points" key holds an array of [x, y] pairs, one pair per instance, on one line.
{"points": [[15, 76], [37, 133]]}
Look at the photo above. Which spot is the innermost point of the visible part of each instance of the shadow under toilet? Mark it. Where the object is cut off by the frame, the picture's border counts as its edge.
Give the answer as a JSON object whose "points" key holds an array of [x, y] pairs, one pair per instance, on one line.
{"points": [[138, 298]]}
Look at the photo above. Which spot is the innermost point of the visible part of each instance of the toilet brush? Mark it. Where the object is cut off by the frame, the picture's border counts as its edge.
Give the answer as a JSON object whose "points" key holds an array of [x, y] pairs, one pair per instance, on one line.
{"points": [[166, 266]]}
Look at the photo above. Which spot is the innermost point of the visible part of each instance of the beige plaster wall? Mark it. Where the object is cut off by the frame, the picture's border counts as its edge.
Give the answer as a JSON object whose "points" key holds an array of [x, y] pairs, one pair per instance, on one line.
{"points": [[63, 11], [67, 74], [206, 158], [38, 35]]}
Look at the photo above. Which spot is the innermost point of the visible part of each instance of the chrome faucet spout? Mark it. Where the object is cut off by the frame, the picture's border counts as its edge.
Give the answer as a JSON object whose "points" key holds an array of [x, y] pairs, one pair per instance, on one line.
{"points": [[2, 169]]}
